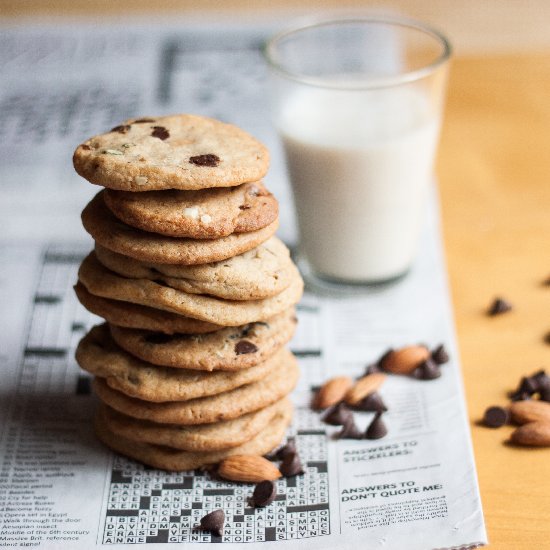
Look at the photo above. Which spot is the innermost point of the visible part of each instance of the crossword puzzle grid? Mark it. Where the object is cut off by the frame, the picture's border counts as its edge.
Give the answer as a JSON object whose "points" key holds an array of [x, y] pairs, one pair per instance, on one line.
{"points": [[147, 506]]}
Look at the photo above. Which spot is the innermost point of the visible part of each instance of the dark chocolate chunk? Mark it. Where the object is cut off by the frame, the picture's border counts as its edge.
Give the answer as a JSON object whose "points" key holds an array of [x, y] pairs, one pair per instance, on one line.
{"points": [[158, 338], [245, 346], [85, 147], [143, 120], [495, 417], [160, 132], [440, 355], [371, 403], [122, 129], [245, 207], [289, 448], [205, 160], [291, 465], [264, 494], [213, 522], [541, 379], [338, 415], [544, 393], [499, 305], [428, 370], [528, 386], [376, 429], [350, 430]]}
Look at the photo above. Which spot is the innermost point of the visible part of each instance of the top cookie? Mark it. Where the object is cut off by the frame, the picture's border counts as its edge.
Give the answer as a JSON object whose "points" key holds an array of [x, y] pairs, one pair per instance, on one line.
{"points": [[171, 152]]}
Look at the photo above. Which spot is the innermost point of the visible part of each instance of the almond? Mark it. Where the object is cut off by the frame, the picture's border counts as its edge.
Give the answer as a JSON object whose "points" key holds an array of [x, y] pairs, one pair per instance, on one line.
{"points": [[251, 468], [332, 392], [536, 434], [405, 360], [530, 411], [363, 387]]}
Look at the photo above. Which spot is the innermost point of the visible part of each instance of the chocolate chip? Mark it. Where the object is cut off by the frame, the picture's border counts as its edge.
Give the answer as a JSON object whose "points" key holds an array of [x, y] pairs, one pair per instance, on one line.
{"points": [[122, 129], [264, 494], [371, 403], [205, 160], [85, 147], [339, 415], [245, 207], [376, 429], [160, 132], [440, 355], [288, 449], [539, 382], [545, 393], [158, 338], [291, 465], [495, 417], [213, 522], [350, 431], [499, 306], [541, 378], [428, 370], [244, 346], [143, 120], [528, 386]]}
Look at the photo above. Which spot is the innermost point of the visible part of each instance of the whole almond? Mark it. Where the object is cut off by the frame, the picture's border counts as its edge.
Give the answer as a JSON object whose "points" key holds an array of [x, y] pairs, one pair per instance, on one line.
{"points": [[530, 410], [405, 360], [251, 468], [332, 392], [535, 434], [363, 387]]}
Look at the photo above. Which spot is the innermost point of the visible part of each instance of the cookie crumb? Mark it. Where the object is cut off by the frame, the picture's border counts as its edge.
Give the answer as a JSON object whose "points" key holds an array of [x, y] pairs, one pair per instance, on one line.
{"points": [[498, 307]]}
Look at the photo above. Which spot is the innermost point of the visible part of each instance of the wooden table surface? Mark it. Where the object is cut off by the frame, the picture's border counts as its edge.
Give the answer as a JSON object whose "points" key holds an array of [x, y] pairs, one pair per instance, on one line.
{"points": [[494, 172]]}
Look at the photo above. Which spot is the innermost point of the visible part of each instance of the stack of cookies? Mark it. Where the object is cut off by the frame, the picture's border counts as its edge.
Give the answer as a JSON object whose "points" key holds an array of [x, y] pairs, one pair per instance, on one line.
{"points": [[197, 293]]}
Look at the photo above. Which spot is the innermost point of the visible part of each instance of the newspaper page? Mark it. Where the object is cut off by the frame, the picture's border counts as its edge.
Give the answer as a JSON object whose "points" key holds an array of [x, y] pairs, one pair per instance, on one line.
{"points": [[59, 487]]}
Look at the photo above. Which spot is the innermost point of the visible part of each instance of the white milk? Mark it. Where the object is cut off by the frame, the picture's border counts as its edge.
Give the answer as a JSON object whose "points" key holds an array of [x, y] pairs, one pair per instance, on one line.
{"points": [[360, 165]]}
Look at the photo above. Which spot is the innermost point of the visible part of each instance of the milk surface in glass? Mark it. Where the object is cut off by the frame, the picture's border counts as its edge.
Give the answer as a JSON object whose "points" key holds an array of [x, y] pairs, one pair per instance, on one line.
{"points": [[360, 163]]}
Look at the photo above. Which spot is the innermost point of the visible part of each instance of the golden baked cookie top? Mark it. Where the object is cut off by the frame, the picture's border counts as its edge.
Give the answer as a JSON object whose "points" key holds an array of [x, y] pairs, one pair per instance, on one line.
{"points": [[171, 152]]}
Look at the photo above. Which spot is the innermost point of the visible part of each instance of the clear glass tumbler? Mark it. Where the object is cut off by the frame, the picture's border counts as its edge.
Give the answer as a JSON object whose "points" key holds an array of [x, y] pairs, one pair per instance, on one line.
{"points": [[357, 103]]}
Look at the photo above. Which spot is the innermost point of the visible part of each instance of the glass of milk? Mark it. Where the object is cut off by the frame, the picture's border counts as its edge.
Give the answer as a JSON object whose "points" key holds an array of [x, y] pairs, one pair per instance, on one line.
{"points": [[357, 103]]}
